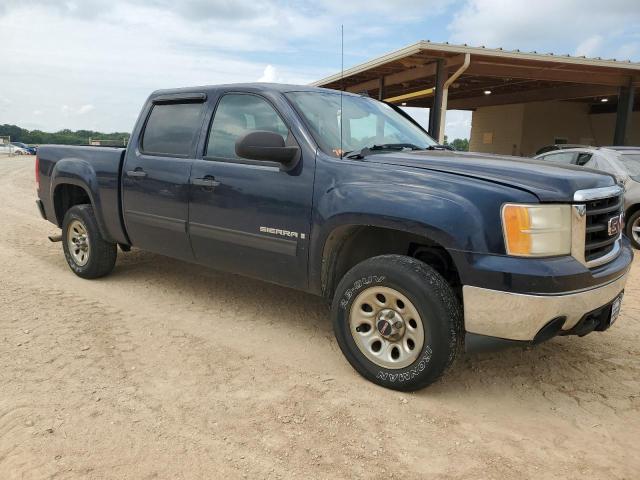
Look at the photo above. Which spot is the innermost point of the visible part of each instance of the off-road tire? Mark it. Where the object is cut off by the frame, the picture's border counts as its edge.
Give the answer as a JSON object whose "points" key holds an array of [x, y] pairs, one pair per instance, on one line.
{"points": [[630, 222], [102, 254], [432, 297]]}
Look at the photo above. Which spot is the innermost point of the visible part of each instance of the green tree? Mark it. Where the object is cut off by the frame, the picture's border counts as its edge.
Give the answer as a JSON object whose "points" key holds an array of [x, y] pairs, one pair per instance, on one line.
{"points": [[461, 144], [62, 137]]}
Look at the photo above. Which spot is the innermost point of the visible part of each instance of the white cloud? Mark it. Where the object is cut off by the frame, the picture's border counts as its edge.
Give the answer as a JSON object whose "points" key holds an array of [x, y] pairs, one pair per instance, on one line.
{"points": [[544, 24], [85, 109], [270, 74], [66, 110], [399, 9], [457, 125], [628, 50], [589, 46], [110, 63], [102, 58]]}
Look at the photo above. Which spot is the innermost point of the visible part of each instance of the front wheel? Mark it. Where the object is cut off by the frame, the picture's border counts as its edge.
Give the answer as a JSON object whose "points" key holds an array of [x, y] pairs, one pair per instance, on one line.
{"points": [[86, 252], [397, 321], [633, 229]]}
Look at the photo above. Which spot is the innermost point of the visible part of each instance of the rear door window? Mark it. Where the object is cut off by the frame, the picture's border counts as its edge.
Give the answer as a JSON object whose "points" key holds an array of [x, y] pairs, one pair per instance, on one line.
{"points": [[172, 128]]}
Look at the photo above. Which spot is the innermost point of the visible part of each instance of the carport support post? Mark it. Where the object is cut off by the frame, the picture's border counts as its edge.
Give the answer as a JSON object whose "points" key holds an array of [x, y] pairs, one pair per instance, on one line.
{"points": [[445, 95], [381, 89], [436, 108], [623, 114]]}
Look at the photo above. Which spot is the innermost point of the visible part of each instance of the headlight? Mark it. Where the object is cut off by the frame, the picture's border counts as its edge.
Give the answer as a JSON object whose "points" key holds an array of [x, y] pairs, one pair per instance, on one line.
{"points": [[536, 230]]}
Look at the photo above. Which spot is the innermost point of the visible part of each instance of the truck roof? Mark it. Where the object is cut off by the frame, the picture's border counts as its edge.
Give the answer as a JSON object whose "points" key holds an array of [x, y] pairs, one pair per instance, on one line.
{"points": [[254, 86]]}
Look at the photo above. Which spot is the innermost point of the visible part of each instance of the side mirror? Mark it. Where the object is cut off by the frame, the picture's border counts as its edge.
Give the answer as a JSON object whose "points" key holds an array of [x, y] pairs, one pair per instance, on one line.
{"points": [[266, 146]]}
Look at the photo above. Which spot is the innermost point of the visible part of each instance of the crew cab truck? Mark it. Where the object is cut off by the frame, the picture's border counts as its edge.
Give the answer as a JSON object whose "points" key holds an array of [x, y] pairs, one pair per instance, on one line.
{"points": [[418, 249]]}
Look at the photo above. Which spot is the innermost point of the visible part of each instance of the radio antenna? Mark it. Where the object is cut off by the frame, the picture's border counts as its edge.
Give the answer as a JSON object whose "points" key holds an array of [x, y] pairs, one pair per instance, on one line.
{"points": [[341, 82]]}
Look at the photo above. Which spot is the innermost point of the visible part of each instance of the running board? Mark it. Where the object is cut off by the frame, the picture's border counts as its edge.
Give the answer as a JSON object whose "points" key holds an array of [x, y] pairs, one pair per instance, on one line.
{"points": [[55, 238]]}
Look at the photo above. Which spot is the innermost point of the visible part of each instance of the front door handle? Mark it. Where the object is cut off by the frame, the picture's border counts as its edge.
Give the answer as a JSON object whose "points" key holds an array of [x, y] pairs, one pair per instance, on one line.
{"points": [[208, 181], [137, 173]]}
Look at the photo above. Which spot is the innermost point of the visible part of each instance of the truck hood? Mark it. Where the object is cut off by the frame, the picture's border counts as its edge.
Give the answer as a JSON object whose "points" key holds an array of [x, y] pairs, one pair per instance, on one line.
{"points": [[549, 182]]}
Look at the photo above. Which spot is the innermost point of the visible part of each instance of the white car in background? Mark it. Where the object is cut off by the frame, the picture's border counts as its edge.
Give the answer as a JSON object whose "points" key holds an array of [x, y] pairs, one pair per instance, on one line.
{"points": [[10, 149], [623, 163]]}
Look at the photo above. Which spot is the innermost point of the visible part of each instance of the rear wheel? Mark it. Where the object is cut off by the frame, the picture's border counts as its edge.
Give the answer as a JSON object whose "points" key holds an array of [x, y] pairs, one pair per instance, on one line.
{"points": [[86, 252], [633, 229], [397, 322]]}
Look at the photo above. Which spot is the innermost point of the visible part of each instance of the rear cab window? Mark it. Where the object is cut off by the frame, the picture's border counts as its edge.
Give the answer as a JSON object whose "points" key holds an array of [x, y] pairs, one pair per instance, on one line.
{"points": [[584, 158], [171, 128], [564, 158]]}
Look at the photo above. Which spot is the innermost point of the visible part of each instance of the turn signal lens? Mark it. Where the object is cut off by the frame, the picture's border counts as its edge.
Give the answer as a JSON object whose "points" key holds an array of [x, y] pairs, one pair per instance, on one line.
{"points": [[537, 230], [517, 225]]}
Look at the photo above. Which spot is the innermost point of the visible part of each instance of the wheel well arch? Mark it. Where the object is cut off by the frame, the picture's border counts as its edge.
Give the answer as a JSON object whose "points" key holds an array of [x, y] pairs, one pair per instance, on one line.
{"points": [[631, 210], [67, 195], [349, 245]]}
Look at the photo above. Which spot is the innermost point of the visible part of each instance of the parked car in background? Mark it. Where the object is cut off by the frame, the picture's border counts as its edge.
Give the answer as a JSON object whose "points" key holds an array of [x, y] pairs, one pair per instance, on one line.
{"points": [[11, 149], [559, 146], [621, 162], [24, 147]]}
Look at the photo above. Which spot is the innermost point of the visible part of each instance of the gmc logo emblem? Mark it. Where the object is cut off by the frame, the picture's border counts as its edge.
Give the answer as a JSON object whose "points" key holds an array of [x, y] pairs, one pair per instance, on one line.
{"points": [[615, 225]]}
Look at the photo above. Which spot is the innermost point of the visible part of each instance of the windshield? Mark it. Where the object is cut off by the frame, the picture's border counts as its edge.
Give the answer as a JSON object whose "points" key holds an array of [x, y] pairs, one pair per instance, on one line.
{"points": [[366, 122], [631, 162]]}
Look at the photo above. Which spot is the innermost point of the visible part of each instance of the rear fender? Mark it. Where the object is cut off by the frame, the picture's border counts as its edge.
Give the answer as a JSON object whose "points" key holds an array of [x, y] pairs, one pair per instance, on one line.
{"points": [[79, 172]]}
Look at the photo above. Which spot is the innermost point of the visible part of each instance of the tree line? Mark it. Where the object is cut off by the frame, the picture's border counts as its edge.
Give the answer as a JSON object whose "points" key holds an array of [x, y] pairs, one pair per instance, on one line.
{"points": [[62, 137], [81, 137], [459, 144]]}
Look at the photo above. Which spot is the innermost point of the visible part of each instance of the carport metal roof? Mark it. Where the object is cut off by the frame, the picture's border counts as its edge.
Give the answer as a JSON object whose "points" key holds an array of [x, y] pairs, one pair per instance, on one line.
{"points": [[411, 76]]}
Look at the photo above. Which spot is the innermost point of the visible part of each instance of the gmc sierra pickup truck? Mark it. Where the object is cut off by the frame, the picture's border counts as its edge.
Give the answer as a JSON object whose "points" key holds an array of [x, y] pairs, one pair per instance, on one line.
{"points": [[417, 248]]}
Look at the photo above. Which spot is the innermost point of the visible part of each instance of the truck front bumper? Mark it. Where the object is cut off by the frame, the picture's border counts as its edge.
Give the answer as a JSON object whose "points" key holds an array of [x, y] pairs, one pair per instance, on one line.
{"points": [[533, 318], [507, 299]]}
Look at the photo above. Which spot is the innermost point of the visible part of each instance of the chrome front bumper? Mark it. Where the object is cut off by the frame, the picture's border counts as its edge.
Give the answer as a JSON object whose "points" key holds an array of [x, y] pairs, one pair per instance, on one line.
{"points": [[516, 316]]}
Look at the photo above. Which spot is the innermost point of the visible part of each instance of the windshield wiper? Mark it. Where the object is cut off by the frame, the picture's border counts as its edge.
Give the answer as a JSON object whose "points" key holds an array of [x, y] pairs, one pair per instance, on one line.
{"points": [[437, 146], [363, 152]]}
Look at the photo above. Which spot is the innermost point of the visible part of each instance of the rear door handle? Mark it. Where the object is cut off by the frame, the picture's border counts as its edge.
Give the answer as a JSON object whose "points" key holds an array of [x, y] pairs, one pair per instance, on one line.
{"points": [[137, 173], [208, 181]]}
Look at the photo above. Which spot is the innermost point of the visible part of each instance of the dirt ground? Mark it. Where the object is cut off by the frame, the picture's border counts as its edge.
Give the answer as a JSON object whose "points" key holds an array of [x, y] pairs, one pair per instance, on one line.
{"points": [[169, 370]]}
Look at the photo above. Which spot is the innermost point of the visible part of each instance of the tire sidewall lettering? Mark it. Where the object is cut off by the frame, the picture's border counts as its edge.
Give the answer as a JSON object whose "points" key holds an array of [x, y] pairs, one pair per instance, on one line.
{"points": [[357, 286], [411, 372]]}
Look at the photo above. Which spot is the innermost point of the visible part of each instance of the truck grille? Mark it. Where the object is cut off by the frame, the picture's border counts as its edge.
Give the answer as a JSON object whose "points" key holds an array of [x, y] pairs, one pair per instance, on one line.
{"points": [[598, 242]]}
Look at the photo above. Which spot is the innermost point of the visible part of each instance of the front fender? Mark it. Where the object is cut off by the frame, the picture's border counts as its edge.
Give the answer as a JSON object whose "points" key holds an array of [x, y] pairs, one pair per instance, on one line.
{"points": [[79, 172], [449, 219], [459, 213]]}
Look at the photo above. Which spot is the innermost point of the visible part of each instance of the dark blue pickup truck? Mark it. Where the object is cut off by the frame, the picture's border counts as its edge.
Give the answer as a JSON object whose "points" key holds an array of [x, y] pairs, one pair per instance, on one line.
{"points": [[418, 248]]}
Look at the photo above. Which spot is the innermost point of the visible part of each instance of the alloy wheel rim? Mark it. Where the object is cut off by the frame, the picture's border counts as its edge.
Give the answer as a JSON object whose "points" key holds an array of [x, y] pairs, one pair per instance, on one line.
{"points": [[635, 230], [78, 243], [386, 327]]}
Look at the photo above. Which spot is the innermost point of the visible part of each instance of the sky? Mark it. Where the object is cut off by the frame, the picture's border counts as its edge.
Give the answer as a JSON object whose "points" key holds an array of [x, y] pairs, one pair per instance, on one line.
{"points": [[91, 64]]}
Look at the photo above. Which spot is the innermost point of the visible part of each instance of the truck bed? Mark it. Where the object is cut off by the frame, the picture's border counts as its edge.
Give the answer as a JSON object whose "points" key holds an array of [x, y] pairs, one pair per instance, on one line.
{"points": [[66, 164]]}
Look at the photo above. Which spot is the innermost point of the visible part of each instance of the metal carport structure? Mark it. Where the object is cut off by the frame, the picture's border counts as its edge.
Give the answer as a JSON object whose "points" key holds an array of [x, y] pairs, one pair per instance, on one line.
{"points": [[460, 77]]}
